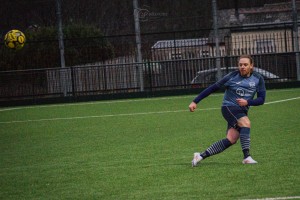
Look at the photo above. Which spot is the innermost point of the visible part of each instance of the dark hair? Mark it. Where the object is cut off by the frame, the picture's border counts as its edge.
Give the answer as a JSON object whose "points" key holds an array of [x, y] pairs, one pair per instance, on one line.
{"points": [[247, 56]]}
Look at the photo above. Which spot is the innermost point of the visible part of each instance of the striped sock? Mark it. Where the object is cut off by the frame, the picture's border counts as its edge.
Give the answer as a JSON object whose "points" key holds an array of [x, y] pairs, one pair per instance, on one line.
{"points": [[245, 141], [216, 148]]}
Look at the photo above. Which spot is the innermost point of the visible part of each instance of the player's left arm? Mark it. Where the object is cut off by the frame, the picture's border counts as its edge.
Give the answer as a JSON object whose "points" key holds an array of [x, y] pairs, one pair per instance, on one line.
{"points": [[260, 100], [261, 94]]}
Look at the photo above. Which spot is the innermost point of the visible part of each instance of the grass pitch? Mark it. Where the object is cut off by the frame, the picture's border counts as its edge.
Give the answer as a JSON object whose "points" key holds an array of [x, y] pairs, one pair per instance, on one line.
{"points": [[142, 149]]}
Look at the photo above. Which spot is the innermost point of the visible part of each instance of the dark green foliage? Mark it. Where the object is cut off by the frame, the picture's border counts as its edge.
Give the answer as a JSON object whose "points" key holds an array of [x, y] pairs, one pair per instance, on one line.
{"points": [[83, 44]]}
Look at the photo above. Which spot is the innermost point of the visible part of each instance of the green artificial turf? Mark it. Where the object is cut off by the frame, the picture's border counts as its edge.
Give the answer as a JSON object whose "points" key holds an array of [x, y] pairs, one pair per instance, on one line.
{"points": [[142, 149]]}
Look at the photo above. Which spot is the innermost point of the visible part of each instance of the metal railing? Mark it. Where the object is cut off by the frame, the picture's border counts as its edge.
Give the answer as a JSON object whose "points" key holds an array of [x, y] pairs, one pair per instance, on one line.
{"points": [[123, 78]]}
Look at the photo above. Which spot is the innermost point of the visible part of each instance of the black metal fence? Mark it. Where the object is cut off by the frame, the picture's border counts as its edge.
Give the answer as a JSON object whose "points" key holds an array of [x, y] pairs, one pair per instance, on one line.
{"points": [[124, 78]]}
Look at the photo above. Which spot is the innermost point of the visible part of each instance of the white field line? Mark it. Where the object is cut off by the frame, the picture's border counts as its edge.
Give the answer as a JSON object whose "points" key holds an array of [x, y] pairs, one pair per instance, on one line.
{"points": [[125, 101], [126, 114], [104, 102], [276, 198], [103, 116], [272, 102]]}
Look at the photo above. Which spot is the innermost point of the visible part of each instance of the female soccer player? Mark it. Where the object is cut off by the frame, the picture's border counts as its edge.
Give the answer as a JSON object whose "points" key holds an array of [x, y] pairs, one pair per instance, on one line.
{"points": [[241, 87]]}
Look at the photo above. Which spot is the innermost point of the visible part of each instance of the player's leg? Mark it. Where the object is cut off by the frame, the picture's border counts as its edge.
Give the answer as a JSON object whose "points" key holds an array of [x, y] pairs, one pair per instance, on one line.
{"points": [[214, 149], [233, 135], [230, 115], [231, 138], [238, 118], [217, 147], [245, 125]]}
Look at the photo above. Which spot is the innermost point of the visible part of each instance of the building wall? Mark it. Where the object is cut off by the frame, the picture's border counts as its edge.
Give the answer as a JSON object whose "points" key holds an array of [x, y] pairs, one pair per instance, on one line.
{"points": [[180, 53], [259, 42]]}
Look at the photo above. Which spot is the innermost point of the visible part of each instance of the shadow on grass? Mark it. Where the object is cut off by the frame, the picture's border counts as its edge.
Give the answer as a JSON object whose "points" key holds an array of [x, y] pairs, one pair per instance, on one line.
{"points": [[204, 165]]}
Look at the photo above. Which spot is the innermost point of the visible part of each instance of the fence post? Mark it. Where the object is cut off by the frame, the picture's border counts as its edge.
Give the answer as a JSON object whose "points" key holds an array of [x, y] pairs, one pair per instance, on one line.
{"points": [[150, 69], [61, 47], [73, 79], [216, 36], [138, 43], [296, 39]]}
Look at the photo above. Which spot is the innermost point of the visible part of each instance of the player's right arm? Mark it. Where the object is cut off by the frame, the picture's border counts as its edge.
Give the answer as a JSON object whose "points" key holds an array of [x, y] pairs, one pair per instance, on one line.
{"points": [[206, 92], [212, 88], [202, 95]]}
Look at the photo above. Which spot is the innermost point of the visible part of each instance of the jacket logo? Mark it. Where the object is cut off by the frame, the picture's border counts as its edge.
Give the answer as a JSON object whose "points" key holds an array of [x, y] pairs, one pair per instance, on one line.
{"points": [[252, 84], [240, 92]]}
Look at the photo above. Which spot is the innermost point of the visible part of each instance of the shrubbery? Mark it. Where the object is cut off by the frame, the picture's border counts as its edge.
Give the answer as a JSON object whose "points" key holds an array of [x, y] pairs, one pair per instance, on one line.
{"points": [[83, 44]]}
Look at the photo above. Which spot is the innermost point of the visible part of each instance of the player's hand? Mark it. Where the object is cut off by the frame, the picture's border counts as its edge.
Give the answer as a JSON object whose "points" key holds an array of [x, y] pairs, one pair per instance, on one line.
{"points": [[242, 102], [192, 106]]}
